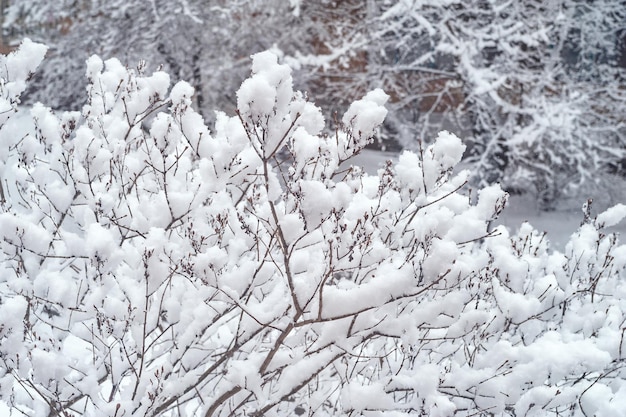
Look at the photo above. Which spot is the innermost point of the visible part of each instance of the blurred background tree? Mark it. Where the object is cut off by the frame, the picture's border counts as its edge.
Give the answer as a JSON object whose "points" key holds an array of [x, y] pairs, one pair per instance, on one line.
{"points": [[206, 43], [537, 89]]}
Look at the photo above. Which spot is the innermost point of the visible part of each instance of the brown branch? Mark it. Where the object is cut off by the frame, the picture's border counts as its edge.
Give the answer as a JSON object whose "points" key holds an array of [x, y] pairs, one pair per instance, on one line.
{"points": [[221, 399], [219, 362]]}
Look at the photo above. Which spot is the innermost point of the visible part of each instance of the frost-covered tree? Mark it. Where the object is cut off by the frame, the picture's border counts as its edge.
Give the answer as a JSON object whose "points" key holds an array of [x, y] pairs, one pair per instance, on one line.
{"points": [[543, 93], [534, 86], [359, 45], [151, 267], [207, 44]]}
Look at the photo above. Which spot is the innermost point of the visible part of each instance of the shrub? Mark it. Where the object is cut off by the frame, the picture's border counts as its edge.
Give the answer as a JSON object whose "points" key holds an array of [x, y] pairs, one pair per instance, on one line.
{"points": [[151, 267]]}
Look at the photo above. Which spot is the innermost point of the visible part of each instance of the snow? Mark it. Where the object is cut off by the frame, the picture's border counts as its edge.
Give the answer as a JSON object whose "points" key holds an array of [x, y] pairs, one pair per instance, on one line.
{"points": [[18, 66], [364, 115], [518, 307], [182, 93], [266, 90], [317, 202], [94, 65], [256, 97], [181, 265], [361, 397], [100, 243], [612, 216], [448, 150], [311, 117], [408, 171]]}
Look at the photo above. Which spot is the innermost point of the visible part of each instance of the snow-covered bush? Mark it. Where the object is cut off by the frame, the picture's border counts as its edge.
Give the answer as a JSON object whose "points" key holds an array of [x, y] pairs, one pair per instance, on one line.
{"points": [[151, 267]]}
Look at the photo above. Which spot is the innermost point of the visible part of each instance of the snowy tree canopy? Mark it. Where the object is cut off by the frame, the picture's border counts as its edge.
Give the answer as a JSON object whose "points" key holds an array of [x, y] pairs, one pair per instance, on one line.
{"points": [[536, 88], [206, 44], [153, 267]]}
